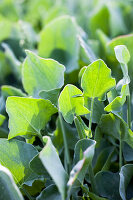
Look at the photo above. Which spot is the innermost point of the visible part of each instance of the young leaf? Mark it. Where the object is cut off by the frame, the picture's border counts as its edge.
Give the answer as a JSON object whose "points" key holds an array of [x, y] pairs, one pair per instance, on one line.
{"points": [[59, 41], [122, 54], [97, 80], [119, 101], [16, 155], [8, 189], [41, 74], [2, 119], [70, 105], [53, 165], [126, 175], [27, 116]]}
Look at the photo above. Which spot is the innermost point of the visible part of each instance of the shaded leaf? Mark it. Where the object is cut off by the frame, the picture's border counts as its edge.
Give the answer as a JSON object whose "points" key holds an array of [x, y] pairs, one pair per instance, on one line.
{"points": [[59, 41], [8, 189], [126, 175], [110, 185], [2, 119]]}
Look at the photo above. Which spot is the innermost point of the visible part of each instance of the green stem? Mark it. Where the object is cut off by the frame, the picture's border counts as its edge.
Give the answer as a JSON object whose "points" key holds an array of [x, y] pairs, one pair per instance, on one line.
{"points": [[92, 179], [78, 127], [67, 156], [91, 114], [129, 110], [120, 154]]}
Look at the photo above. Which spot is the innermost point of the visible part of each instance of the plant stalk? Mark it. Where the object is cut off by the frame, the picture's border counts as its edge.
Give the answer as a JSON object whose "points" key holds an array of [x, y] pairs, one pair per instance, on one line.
{"points": [[91, 114], [92, 179], [67, 156], [78, 127], [120, 154], [129, 110]]}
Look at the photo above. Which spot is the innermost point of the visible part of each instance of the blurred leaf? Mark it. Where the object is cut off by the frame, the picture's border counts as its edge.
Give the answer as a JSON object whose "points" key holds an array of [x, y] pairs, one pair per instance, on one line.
{"points": [[9, 189], [59, 41], [2, 119], [8, 90]]}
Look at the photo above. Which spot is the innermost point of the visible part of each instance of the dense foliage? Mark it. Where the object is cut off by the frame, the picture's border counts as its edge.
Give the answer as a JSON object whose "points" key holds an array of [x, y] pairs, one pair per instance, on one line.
{"points": [[66, 77]]}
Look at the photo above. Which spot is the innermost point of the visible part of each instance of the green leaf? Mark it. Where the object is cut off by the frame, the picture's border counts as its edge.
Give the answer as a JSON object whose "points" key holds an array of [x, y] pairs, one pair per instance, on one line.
{"points": [[53, 165], [108, 185], [41, 74], [27, 116], [83, 154], [127, 152], [126, 175], [8, 189], [119, 101], [122, 54], [5, 27], [59, 41], [16, 155], [104, 159], [8, 90], [70, 105], [2, 119], [98, 109], [97, 80], [114, 126], [49, 193], [51, 95]]}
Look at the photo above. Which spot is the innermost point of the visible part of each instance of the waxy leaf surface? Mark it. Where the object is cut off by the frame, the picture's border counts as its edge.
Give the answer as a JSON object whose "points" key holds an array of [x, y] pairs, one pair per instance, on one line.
{"points": [[27, 116], [70, 105], [97, 80], [41, 74], [16, 155]]}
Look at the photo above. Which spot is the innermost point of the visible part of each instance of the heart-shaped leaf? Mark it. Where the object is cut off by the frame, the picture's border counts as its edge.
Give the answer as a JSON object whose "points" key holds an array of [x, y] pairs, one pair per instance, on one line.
{"points": [[97, 80], [8, 189], [70, 105], [41, 74], [27, 116]]}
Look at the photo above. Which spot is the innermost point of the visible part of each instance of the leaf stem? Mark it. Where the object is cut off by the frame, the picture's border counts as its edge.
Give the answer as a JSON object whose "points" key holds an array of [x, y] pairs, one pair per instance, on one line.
{"points": [[92, 179], [91, 114], [120, 154], [67, 156], [78, 127], [129, 110], [40, 137]]}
